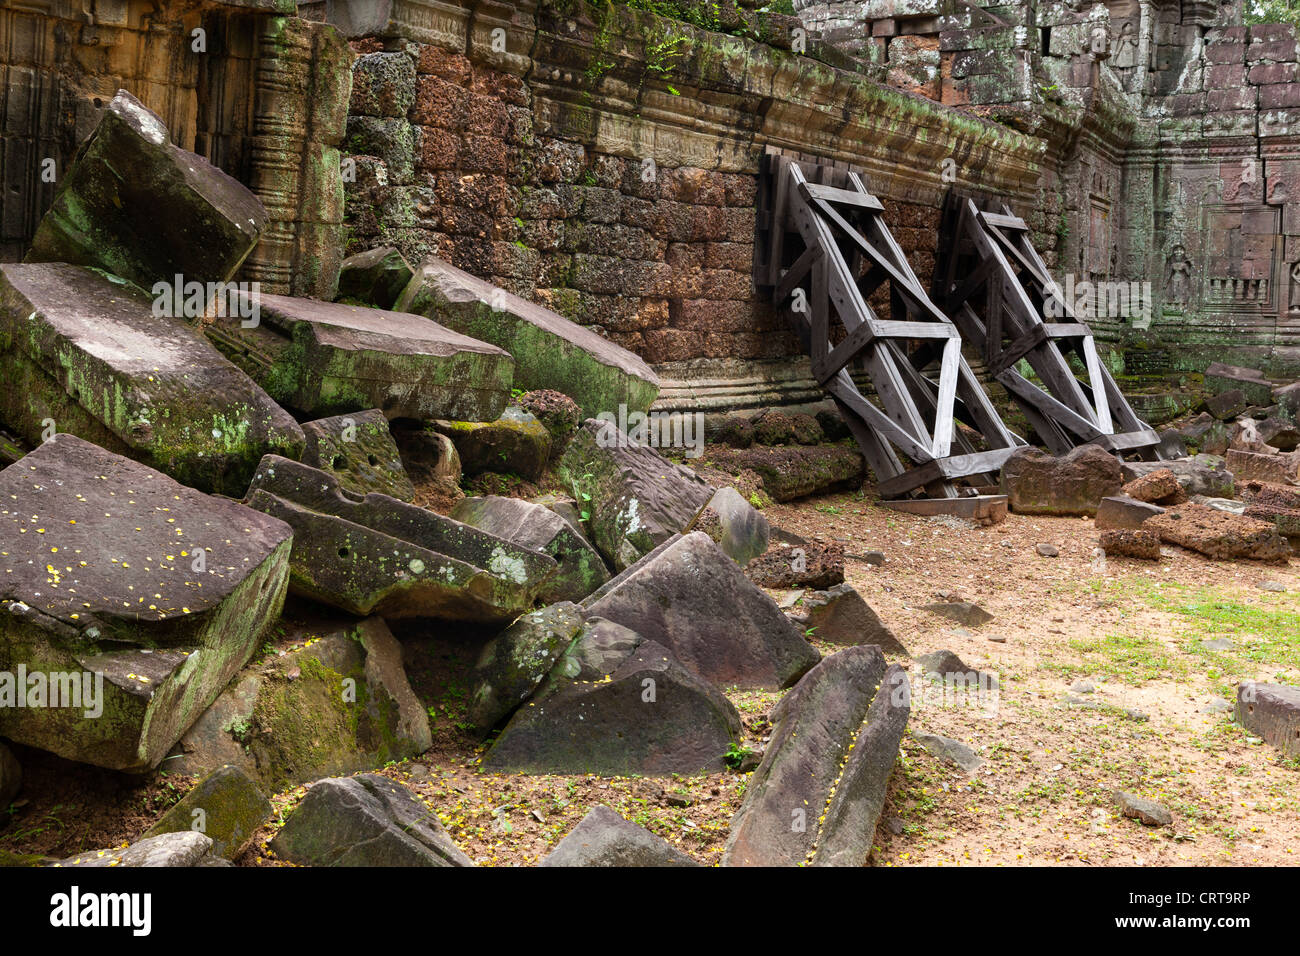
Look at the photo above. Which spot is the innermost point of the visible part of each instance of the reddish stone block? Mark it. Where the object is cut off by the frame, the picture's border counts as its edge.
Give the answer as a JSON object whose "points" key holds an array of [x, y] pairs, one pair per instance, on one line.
{"points": [[1279, 96]]}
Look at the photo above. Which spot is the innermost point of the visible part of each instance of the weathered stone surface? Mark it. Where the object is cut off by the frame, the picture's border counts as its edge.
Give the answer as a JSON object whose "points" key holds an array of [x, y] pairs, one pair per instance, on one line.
{"points": [[693, 599], [648, 715], [1281, 434], [1151, 814], [376, 277], [536, 527], [183, 849], [1199, 475], [329, 358], [792, 472], [516, 443], [1130, 543], [559, 415], [808, 564], [1271, 711], [514, 663], [1280, 469], [141, 208], [604, 838], [1218, 534], [1073, 484], [1118, 512], [953, 751], [814, 728], [552, 352], [89, 355], [1255, 388], [963, 612], [11, 777], [359, 450], [840, 616], [1227, 405], [163, 590], [772, 427], [1273, 503], [633, 499], [380, 555], [737, 526], [1156, 487], [286, 720], [226, 806], [366, 820]]}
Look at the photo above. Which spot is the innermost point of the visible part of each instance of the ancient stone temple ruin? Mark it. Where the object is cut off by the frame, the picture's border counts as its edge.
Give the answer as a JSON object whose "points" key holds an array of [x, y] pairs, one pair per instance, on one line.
{"points": [[509, 417]]}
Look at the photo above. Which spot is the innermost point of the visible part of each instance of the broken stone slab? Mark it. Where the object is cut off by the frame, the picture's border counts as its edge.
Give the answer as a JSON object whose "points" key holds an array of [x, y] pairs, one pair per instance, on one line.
{"points": [[514, 663], [693, 599], [1199, 475], [633, 499], [1159, 487], [1119, 512], [559, 415], [792, 472], [1218, 534], [328, 358], [840, 616], [285, 721], [1274, 503], [1271, 712], [11, 777], [648, 715], [1256, 389], [374, 278], [1130, 543], [1221, 504], [1227, 405], [182, 849], [1245, 436], [737, 526], [1073, 484], [1281, 434], [1173, 444], [815, 729], [148, 594], [359, 450], [945, 666], [366, 820], [378, 555], [1288, 397], [580, 570], [1280, 469], [552, 352], [1151, 814], [516, 443], [226, 805], [137, 206], [85, 355], [605, 838], [808, 564], [963, 612], [953, 751]]}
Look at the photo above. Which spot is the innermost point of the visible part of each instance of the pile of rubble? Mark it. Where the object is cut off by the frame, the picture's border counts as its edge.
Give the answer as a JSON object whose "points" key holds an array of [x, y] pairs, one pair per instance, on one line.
{"points": [[197, 452]]}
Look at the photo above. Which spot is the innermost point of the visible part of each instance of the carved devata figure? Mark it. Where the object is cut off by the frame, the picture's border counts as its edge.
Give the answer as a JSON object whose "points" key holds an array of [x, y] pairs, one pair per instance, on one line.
{"points": [[1178, 277], [1293, 305]]}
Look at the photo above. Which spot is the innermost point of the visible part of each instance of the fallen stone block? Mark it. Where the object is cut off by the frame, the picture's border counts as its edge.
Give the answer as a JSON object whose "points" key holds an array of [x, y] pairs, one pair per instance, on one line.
{"points": [[86, 355], [1160, 487], [647, 715], [963, 612], [808, 564], [1256, 389], [1151, 814], [184, 849], [514, 663], [359, 450], [633, 499], [604, 838], [327, 358], [1245, 436], [1274, 503], [1218, 534], [944, 666], [516, 443], [737, 526], [226, 806], [1272, 712], [139, 207], [693, 599], [1073, 484], [551, 351], [1227, 405], [793, 472], [286, 721], [1288, 396], [374, 278], [378, 555], [840, 616], [559, 415], [1279, 469], [366, 820], [1281, 434], [580, 569], [848, 704], [138, 596], [1119, 512], [1130, 543], [1201, 474], [952, 751]]}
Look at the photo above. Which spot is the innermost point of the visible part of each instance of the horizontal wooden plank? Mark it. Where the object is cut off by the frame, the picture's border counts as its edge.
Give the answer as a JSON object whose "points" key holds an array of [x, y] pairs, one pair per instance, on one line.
{"points": [[849, 197]]}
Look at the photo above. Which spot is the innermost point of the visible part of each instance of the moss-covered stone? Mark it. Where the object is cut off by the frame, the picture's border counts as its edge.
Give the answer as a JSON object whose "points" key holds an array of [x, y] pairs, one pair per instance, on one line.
{"points": [[225, 805]]}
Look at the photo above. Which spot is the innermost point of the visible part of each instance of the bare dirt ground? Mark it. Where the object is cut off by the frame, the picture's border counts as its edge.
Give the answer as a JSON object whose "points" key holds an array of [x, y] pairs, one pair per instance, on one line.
{"points": [[1135, 630]]}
